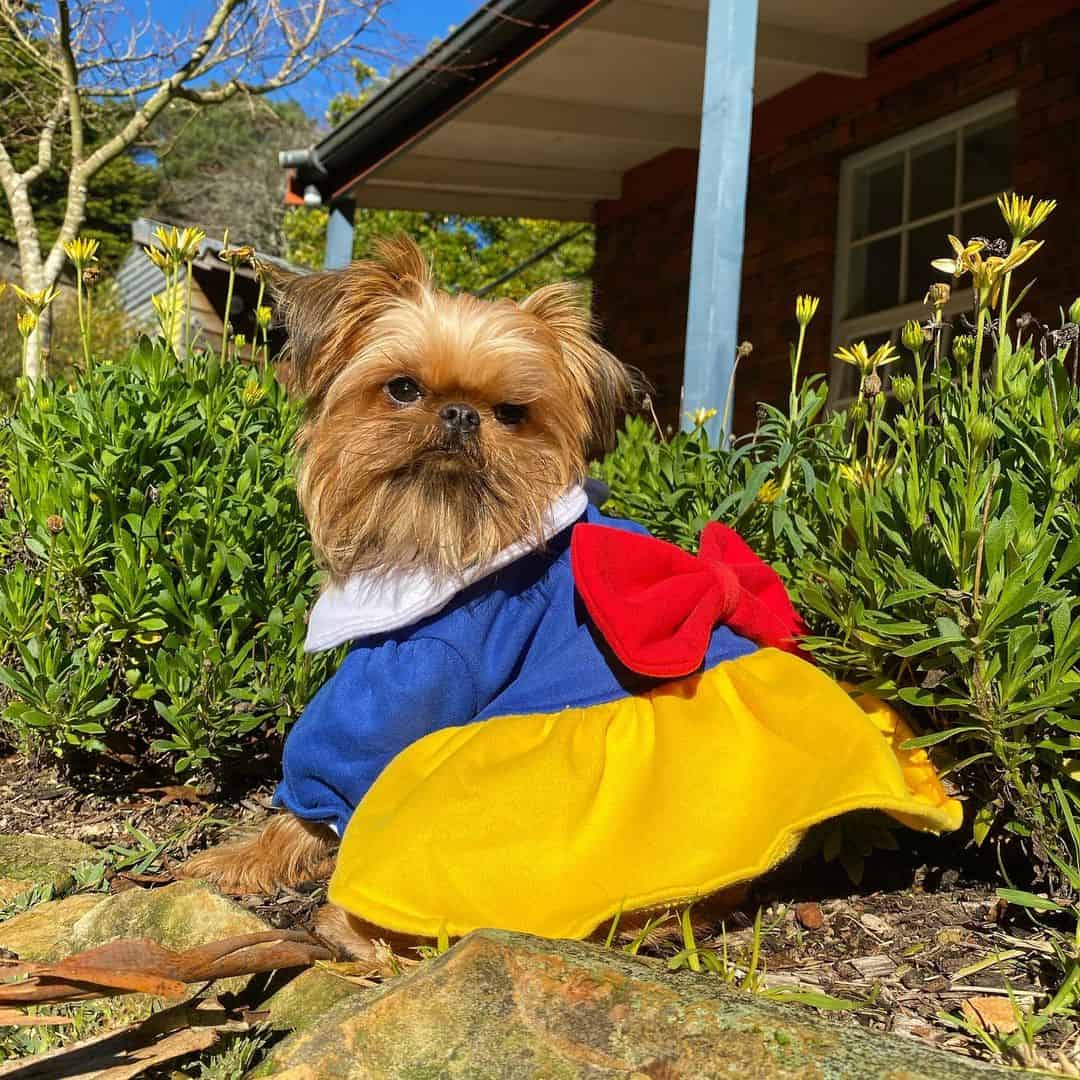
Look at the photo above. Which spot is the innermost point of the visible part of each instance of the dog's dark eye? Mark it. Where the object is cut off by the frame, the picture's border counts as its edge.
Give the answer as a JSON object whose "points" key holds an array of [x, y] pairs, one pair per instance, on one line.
{"points": [[511, 414], [404, 391]]}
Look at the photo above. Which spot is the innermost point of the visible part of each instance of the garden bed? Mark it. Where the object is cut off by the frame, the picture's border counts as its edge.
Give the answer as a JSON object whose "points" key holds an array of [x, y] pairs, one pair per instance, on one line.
{"points": [[923, 934]]}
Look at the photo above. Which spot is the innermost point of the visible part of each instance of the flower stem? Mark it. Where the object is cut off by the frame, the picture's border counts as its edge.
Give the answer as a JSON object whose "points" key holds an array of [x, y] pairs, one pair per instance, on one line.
{"points": [[793, 401], [999, 374], [976, 374], [227, 322], [724, 430], [187, 313], [83, 329]]}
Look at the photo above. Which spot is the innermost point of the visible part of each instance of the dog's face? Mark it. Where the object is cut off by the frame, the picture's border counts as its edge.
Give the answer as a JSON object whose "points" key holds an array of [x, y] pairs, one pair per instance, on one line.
{"points": [[439, 427]]}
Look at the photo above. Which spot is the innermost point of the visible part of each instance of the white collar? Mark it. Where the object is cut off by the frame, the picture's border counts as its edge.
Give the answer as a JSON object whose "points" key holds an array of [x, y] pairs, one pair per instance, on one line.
{"points": [[375, 603]]}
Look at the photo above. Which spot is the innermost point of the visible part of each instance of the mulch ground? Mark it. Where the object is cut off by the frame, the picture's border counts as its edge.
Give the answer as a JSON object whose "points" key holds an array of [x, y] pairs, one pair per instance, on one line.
{"points": [[923, 937]]}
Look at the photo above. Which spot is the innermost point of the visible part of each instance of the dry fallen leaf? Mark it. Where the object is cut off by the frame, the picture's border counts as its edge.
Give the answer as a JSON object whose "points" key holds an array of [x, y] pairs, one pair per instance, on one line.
{"points": [[171, 793], [138, 965], [994, 1014]]}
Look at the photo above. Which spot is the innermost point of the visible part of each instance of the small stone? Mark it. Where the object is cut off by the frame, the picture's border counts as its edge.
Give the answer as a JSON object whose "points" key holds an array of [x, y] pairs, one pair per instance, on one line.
{"points": [[810, 916], [44, 932], [27, 860], [911, 979], [180, 916], [994, 1014]]}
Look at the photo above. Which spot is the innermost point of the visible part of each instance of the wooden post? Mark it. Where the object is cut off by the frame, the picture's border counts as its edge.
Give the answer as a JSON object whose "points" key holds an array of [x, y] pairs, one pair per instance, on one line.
{"points": [[339, 235], [720, 210]]}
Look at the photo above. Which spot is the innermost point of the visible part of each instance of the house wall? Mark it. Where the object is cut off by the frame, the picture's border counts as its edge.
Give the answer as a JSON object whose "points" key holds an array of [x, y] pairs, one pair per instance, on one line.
{"points": [[800, 139]]}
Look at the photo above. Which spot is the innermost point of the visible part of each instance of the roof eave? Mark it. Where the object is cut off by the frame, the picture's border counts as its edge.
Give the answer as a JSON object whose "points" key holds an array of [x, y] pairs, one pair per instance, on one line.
{"points": [[480, 52]]}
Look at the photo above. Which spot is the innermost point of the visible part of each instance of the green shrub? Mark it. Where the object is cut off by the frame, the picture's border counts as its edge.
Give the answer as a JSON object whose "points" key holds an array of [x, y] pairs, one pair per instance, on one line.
{"points": [[932, 541], [154, 566]]}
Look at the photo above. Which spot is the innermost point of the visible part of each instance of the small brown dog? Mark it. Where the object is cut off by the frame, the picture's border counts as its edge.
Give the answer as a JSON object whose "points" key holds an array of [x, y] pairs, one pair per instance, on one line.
{"points": [[438, 429]]}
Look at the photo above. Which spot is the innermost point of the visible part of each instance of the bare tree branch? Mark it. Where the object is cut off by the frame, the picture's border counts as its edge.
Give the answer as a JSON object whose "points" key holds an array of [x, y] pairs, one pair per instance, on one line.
{"points": [[45, 142], [241, 48]]}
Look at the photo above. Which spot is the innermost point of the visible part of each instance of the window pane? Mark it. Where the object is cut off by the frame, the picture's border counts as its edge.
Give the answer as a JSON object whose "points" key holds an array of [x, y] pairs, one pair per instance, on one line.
{"points": [[925, 243], [988, 157], [933, 177], [879, 196], [873, 276], [984, 221]]}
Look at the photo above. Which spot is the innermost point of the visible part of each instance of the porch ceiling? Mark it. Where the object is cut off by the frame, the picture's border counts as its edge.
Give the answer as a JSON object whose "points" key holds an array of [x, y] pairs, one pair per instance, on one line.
{"points": [[620, 86]]}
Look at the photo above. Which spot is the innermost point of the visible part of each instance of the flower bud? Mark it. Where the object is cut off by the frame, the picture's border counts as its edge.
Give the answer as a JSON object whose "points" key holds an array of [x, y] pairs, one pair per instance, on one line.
{"points": [[982, 431], [963, 349], [912, 336], [769, 492], [937, 296], [1026, 541], [1071, 439], [805, 309], [1074, 311], [252, 393], [857, 411], [903, 388]]}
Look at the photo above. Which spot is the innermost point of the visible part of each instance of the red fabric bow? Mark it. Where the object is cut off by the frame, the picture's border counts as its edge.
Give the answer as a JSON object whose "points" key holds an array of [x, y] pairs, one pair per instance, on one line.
{"points": [[656, 605]]}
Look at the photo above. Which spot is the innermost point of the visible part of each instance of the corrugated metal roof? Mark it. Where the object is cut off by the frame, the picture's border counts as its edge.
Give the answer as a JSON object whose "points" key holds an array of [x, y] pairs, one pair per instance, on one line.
{"points": [[137, 280]]}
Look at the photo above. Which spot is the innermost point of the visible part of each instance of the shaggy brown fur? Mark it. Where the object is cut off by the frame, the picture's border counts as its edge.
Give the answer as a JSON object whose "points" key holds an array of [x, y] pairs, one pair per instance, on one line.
{"points": [[385, 485], [382, 484], [285, 853]]}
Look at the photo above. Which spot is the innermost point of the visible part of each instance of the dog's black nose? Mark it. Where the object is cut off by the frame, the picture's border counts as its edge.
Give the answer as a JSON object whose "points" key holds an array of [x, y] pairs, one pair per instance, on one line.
{"points": [[459, 418]]}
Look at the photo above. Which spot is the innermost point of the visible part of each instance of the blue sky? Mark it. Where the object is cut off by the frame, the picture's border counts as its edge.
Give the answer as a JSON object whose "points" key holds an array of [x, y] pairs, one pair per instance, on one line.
{"points": [[412, 24]]}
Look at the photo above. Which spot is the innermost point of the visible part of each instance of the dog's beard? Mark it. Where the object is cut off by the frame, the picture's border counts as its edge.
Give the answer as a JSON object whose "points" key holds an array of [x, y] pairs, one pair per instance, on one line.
{"points": [[446, 511]]}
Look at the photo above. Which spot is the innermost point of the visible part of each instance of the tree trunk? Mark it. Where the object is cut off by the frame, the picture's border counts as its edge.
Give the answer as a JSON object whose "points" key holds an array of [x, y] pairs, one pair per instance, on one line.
{"points": [[36, 365]]}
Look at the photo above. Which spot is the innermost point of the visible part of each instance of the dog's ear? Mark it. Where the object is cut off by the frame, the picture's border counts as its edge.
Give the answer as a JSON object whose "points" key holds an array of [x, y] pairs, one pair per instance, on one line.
{"points": [[326, 314], [605, 387]]}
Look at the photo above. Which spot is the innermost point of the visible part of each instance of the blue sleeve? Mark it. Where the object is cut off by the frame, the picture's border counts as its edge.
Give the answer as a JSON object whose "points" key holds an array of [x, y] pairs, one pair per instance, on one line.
{"points": [[379, 701]]}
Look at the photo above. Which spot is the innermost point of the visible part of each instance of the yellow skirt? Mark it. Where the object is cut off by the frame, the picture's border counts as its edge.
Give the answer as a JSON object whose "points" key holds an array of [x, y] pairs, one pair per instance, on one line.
{"points": [[552, 824]]}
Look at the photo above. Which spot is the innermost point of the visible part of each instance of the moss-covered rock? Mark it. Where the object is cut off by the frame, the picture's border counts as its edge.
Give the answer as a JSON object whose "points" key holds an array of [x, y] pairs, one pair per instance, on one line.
{"points": [[308, 997], [45, 931], [27, 859], [507, 1005], [178, 916]]}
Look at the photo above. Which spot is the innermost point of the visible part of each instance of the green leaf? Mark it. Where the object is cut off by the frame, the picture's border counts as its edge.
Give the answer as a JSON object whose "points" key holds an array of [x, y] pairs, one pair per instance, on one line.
{"points": [[935, 737], [1028, 900]]}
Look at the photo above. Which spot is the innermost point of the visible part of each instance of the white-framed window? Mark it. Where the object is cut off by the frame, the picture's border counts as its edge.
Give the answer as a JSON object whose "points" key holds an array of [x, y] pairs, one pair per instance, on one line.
{"points": [[898, 202]]}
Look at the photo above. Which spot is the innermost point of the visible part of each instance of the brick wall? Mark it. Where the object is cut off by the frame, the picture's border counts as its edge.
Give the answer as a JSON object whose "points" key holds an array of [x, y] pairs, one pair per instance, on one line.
{"points": [[643, 239], [642, 272]]}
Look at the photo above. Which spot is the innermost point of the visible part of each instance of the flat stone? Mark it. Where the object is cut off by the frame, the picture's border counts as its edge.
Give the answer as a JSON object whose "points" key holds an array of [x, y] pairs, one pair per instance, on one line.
{"points": [[509, 1005], [28, 859], [179, 916], [308, 997], [44, 932]]}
